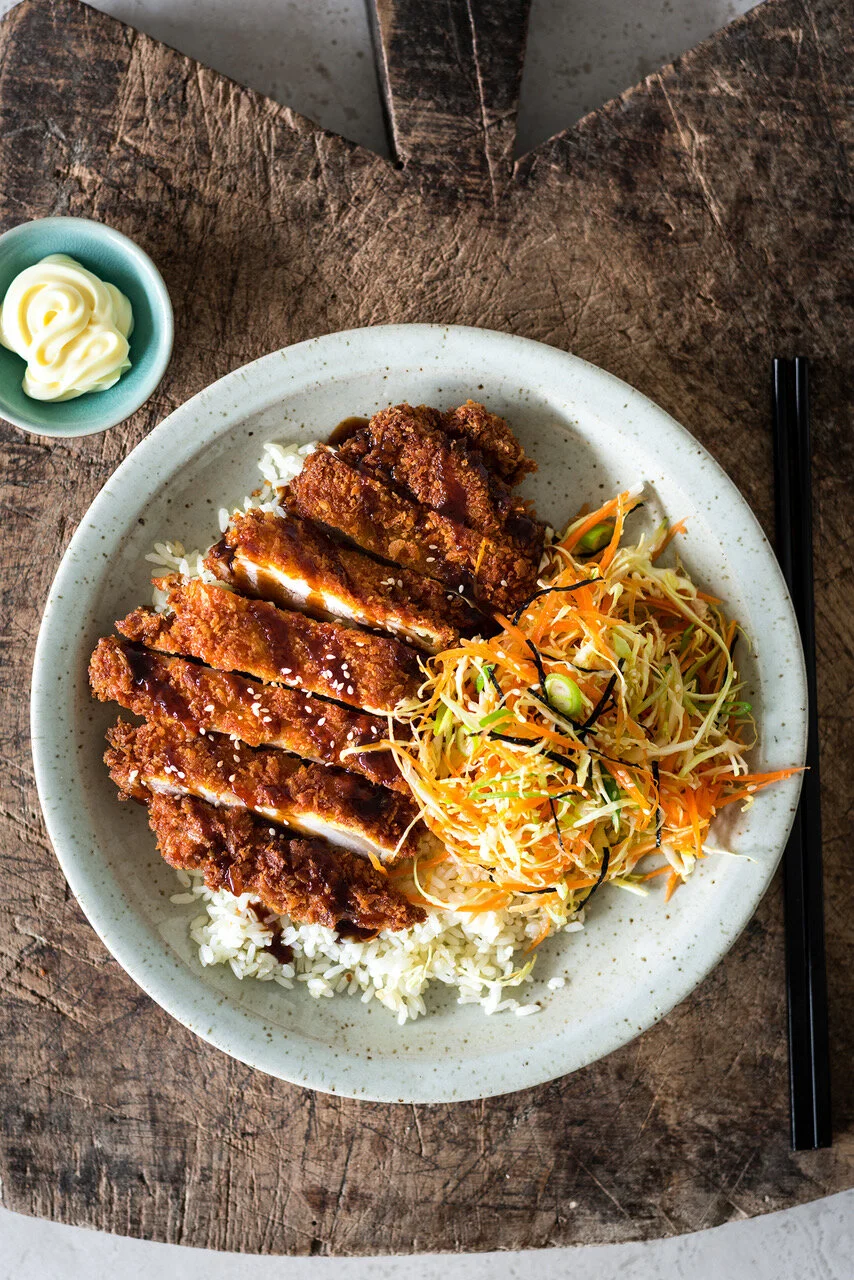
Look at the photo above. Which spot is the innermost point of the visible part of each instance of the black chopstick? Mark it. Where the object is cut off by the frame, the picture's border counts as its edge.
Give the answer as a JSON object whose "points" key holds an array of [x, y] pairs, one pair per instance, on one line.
{"points": [[806, 976]]}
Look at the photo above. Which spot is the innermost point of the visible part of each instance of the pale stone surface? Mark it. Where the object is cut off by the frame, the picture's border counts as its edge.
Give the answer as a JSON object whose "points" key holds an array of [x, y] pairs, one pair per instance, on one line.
{"points": [[814, 1242]]}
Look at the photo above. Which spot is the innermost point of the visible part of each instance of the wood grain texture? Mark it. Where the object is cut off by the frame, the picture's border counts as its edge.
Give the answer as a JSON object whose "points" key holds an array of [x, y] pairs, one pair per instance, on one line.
{"points": [[678, 237], [450, 72]]}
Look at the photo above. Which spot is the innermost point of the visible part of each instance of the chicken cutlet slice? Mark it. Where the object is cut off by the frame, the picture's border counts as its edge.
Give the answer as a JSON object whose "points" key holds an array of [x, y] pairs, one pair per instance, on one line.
{"points": [[209, 622], [422, 463], [308, 880], [159, 687], [315, 799], [384, 523], [295, 564], [492, 437]]}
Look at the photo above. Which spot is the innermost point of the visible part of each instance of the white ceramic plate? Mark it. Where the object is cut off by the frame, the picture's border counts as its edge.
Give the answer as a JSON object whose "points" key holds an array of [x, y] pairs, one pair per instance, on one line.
{"points": [[591, 435]]}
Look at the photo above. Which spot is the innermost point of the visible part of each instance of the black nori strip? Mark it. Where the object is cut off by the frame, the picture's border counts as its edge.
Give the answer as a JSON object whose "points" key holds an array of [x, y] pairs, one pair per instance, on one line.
{"points": [[541, 671], [532, 742], [599, 708], [551, 755], [659, 813], [563, 719], [606, 858], [543, 696], [493, 678], [547, 591]]}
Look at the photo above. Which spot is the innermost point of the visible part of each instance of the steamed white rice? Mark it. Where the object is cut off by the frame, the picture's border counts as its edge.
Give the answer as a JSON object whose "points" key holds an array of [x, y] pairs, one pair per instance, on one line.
{"points": [[482, 957]]}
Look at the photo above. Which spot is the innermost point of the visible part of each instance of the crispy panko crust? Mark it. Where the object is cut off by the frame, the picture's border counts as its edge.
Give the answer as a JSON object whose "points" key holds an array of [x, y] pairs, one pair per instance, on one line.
{"points": [[308, 880], [492, 437], [225, 630], [370, 513], [159, 687], [422, 463], [261, 552], [313, 798]]}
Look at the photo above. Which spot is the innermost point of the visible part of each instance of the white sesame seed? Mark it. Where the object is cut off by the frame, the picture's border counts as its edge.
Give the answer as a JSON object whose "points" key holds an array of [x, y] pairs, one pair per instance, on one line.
{"points": [[267, 720], [350, 736], [350, 689], [504, 582], [231, 777], [210, 707], [460, 588], [236, 759], [431, 560]]}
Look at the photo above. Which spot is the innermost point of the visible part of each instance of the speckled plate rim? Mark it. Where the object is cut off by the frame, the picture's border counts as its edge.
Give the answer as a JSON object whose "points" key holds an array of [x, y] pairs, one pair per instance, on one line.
{"points": [[302, 1059]]}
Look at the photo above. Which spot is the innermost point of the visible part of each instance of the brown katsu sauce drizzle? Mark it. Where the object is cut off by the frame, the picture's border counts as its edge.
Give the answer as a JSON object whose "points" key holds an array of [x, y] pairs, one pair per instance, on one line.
{"points": [[346, 428], [147, 675], [278, 950]]}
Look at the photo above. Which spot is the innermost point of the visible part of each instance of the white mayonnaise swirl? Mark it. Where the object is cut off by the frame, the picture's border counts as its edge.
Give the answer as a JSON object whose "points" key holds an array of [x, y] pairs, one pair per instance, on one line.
{"points": [[70, 327]]}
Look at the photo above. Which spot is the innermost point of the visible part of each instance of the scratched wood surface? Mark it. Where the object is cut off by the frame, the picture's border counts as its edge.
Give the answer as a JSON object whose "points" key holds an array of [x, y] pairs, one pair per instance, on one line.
{"points": [[678, 237]]}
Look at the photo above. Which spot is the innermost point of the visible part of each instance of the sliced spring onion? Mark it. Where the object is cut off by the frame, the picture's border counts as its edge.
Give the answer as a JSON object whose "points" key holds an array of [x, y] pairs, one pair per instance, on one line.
{"points": [[443, 721], [597, 537], [483, 675], [564, 694], [613, 793], [495, 717], [622, 648]]}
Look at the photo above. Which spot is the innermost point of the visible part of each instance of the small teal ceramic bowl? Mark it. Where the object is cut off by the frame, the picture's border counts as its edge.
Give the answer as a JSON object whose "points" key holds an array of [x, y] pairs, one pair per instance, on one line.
{"points": [[116, 259]]}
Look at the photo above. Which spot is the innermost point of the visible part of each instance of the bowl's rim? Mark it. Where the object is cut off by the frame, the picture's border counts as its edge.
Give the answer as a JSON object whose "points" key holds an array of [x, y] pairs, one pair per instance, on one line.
{"points": [[155, 287], [465, 1082]]}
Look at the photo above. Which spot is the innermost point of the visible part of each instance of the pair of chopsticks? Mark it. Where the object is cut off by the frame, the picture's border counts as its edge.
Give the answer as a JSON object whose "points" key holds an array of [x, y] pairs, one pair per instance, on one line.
{"points": [[806, 977]]}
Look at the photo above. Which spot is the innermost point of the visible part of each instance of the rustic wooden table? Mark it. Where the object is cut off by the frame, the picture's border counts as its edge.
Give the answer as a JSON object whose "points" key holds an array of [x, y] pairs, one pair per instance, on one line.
{"points": [[678, 237]]}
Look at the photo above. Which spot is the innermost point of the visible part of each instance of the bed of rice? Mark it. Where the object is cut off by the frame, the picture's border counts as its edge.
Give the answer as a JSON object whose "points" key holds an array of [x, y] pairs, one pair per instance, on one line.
{"points": [[482, 957]]}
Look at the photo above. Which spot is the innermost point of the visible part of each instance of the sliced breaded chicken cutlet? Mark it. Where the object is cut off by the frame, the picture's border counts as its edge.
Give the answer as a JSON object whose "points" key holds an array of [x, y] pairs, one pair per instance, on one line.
{"points": [[394, 528], [423, 463], [162, 687], [490, 436], [314, 799], [225, 630], [308, 880], [292, 562]]}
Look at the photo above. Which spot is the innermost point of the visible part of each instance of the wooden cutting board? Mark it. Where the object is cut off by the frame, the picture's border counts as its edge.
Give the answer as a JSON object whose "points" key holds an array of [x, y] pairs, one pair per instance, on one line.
{"points": [[678, 237]]}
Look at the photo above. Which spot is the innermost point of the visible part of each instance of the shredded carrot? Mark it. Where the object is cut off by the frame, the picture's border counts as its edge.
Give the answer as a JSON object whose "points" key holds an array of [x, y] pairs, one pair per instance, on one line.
{"points": [[679, 527]]}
